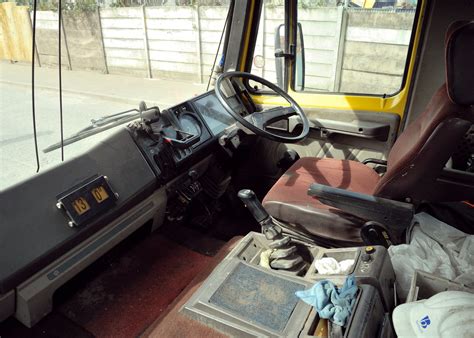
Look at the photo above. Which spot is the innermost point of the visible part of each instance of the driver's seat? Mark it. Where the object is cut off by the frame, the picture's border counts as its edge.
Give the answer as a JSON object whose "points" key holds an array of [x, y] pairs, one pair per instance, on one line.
{"points": [[415, 166]]}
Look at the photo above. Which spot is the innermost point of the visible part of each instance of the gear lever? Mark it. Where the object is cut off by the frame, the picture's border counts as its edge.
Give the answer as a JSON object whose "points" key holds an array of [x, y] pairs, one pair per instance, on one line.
{"points": [[284, 256], [253, 204]]}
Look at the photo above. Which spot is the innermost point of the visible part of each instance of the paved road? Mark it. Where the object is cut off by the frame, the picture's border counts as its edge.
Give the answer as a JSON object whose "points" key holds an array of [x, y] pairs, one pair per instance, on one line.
{"points": [[17, 156], [86, 95]]}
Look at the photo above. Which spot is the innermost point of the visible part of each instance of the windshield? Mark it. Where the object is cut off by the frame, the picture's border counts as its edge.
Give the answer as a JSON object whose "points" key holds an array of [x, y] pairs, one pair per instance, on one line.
{"points": [[114, 54]]}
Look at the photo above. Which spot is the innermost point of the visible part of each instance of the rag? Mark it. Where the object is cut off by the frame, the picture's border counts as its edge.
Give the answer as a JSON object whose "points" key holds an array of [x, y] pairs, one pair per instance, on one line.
{"points": [[330, 266], [331, 302], [265, 258]]}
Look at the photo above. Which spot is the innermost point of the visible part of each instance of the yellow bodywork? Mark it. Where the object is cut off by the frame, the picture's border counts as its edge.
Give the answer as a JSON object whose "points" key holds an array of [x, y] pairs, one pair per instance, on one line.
{"points": [[390, 104]]}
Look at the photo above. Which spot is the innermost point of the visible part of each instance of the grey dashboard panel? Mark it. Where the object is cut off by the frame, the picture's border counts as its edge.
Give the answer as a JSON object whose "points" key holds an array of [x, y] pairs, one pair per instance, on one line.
{"points": [[33, 232]]}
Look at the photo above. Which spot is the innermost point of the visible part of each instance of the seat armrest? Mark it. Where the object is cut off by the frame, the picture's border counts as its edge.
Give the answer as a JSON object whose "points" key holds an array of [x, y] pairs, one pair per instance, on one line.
{"points": [[395, 215], [375, 161], [457, 176]]}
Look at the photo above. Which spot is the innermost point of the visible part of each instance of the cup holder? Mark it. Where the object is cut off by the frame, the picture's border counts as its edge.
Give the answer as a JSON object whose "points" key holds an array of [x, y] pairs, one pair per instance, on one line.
{"points": [[341, 256], [337, 254]]}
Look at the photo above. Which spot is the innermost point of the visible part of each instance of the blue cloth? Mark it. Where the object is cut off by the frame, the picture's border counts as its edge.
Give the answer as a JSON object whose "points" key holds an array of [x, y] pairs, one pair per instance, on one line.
{"points": [[331, 302]]}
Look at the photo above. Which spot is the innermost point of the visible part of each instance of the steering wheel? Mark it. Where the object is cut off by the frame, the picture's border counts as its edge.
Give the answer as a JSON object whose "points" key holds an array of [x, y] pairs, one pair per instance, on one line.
{"points": [[257, 122]]}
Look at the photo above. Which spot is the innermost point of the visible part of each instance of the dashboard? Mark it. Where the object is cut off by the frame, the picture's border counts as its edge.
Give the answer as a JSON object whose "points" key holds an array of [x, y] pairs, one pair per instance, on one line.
{"points": [[213, 113], [162, 154], [177, 135]]}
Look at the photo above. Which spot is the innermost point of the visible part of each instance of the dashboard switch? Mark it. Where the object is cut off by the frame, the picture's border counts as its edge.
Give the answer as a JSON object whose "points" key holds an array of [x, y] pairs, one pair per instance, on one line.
{"points": [[193, 174], [365, 258], [369, 250]]}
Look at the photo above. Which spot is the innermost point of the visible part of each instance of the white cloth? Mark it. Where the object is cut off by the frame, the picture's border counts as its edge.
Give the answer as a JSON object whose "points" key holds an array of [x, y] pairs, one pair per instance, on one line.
{"points": [[330, 266], [436, 248], [265, 258]]}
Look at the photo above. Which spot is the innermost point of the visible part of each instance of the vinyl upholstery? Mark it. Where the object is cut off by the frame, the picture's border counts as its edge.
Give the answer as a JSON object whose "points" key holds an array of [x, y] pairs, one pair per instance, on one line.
{"points": [[288, 200], [459, 62]]}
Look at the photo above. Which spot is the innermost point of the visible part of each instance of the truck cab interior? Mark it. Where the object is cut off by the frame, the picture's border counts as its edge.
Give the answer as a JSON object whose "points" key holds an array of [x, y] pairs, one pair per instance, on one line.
{"points": [[205, 218]]}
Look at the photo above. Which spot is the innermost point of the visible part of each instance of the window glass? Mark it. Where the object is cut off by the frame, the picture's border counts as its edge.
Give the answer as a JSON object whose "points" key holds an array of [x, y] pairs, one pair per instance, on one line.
{"points": [[114, 54], [358, 46], [270, 39]]}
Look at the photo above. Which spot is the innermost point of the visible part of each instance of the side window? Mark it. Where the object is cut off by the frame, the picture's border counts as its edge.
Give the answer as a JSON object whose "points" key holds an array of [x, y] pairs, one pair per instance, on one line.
{"points": [[359, 47], [270, 38]]}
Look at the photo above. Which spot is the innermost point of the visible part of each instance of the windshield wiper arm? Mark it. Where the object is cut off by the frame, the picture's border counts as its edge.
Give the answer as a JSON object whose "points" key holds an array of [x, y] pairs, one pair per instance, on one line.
{"points": [[98, 125]]}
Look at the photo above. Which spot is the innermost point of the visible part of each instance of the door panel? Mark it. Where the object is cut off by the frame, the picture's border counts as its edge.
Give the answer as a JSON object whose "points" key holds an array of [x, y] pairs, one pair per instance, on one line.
{"points": [[342, 140], [348, 135]]}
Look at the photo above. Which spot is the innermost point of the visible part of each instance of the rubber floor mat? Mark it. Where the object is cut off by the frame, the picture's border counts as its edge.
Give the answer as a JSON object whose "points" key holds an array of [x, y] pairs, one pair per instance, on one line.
{"points": [[258, 297], [135, 288]]}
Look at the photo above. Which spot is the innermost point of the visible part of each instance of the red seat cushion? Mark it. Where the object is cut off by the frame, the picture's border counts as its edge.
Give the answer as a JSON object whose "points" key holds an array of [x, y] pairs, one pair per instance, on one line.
{"points": [[288, 200]]}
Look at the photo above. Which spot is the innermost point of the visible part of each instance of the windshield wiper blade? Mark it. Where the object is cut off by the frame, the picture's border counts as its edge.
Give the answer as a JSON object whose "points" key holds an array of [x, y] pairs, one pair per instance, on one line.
{"points": [[97, 125]]}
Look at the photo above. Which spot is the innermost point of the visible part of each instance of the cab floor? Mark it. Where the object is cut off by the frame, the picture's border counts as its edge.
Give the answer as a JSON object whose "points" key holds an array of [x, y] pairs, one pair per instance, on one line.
{"points": [[122, 293]]}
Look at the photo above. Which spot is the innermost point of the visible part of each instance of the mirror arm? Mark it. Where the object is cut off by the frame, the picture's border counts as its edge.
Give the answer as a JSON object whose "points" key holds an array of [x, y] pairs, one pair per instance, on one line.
{"points": [[291, 54]]}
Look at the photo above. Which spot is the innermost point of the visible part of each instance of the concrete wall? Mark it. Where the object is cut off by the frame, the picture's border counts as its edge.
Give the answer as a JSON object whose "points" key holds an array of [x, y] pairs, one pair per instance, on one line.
{"points": [[81, 41], [124, 40], [322, 29], [265, 46], [212, 21], [47, 40], [347, 50], [375, 51], [178, 42], [357, 51], [84, 41]]}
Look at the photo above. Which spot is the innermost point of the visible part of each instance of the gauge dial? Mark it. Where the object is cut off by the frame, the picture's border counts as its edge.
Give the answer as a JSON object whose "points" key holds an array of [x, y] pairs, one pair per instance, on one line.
{"points": [[190, 124]]}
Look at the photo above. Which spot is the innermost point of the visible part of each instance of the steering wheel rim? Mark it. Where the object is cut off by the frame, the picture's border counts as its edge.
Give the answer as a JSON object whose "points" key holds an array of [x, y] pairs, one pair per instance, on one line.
{"points": [[261, 131]]}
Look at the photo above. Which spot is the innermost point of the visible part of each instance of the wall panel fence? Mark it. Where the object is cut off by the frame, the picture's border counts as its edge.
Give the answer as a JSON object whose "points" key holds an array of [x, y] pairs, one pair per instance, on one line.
{"points": [[346, 50]]}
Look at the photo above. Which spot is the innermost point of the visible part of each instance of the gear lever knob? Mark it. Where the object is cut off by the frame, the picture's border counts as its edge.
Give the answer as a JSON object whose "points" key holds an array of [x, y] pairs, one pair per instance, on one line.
{"points": [[253, 204]]}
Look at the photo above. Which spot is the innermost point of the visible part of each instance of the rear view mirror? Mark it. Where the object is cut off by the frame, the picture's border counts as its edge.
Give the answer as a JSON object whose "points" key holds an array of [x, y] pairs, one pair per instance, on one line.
{"points": [[280, 44]]}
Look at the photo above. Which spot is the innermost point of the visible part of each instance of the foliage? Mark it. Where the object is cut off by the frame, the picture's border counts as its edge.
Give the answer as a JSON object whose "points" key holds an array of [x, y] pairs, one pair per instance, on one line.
{"points": [[316, 3], [45, 5], [80, 5], [274, 3], [52, 5], [91, 5], [132, 3], [117, 3], [302, 3]]}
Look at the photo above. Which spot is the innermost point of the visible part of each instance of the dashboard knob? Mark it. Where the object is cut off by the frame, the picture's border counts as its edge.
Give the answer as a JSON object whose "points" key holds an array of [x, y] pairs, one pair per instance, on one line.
{"points": [[369, 249], [193, 174], [365, 258]]}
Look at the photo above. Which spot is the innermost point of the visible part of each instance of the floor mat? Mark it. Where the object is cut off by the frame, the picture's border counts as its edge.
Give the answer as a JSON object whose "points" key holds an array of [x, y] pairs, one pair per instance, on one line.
{"points": [[192, 239], [263, 299], [54, 325], [135, 289]]}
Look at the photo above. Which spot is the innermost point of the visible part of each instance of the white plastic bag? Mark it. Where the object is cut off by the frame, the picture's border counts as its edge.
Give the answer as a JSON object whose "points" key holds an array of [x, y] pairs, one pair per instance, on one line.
{"points": [[436, 248]]}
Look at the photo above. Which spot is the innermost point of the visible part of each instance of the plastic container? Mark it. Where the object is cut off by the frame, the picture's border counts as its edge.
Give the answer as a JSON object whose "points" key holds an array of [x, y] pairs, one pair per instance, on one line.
{"points": [[424, 285]]}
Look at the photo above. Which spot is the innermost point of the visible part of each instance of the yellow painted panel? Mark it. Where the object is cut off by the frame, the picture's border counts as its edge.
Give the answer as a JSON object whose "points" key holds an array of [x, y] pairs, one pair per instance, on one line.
{"points": [[369, 3], [247, 37], [392, 104], [15, 35]]}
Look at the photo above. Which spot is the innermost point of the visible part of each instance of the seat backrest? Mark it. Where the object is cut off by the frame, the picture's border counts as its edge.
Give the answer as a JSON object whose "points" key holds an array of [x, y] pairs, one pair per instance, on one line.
{"points": [[420, 153]]}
